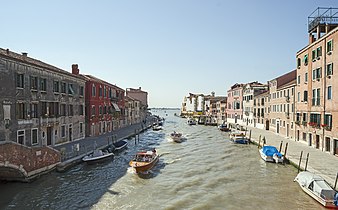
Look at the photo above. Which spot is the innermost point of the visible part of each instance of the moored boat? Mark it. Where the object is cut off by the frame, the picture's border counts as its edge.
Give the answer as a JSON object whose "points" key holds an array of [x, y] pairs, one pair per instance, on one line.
{"points": [[176, 137], [191, 121], [157, 128], [271, 154], [318, 189], [239, 138], [120, 145], [224, 128], [144, 161], [97, 156]]}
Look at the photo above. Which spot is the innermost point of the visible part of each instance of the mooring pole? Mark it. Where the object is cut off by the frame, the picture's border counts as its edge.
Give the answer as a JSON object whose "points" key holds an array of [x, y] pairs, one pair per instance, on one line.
{"points": [[250, 136], [286, 149], [335, 183], [259, 141], [280, 146], [300, 160], [307, 159], [264, 141]]}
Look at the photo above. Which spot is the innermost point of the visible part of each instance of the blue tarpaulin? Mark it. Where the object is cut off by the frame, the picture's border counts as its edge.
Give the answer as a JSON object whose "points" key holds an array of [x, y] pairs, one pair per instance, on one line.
{"points": [[270, 151]]}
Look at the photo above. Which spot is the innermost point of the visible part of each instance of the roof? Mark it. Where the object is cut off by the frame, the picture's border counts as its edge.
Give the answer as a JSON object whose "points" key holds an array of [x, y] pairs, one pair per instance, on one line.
{"points": [[95, 79], [25, 59], [286, 78]]}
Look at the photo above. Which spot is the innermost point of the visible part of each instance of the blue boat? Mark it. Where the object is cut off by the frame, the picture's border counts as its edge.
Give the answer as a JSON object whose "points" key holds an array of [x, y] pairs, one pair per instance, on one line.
{"points": [[271, 154], [239, 138]]}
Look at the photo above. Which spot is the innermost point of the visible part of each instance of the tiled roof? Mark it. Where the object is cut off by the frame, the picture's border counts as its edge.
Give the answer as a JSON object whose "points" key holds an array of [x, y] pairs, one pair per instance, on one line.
{"points": [[286, 78], [25, 59], [92, 78]]}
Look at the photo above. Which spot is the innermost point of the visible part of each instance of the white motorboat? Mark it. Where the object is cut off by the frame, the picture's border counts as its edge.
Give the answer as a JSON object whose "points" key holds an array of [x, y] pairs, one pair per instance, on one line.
{"points": [[176, 137], [191, 121], [317, 188], [97, 156], [271, 154]]}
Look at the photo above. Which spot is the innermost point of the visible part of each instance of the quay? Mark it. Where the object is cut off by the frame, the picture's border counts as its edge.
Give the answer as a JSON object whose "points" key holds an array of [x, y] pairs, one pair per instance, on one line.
{"points": [[320, 162]]}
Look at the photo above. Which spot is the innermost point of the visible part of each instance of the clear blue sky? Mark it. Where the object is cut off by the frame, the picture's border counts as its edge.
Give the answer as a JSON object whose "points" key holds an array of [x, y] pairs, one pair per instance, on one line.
{"points": [[167, 47]]}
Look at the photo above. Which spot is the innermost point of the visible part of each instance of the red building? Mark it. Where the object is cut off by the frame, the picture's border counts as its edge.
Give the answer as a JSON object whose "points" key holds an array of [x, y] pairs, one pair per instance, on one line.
{"points": [[104, 105]]}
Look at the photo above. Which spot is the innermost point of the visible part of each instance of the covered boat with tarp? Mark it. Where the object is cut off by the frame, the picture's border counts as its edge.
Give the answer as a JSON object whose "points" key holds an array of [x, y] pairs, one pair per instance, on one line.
{"points": [[271, 154], [317, 188], [120, 145]]}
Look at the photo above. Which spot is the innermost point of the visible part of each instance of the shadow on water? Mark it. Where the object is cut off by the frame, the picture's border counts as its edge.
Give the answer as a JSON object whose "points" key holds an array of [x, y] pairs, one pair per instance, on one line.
{"points": [[83, 185]]}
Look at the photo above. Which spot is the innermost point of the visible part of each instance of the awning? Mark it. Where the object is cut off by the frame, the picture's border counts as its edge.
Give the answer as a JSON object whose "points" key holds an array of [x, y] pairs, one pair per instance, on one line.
{"points": [[116, 107]]}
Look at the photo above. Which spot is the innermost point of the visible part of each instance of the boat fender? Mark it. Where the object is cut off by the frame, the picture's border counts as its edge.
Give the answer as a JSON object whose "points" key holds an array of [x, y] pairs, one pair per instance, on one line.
{"points": [[336, 199]]}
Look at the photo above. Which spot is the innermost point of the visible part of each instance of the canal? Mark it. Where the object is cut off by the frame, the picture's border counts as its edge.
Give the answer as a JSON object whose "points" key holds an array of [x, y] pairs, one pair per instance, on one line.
{"points": [[206, 171]]}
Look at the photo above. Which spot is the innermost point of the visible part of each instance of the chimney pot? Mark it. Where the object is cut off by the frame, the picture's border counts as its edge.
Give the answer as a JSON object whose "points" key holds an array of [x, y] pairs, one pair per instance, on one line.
{"points": [[7, 51], [75, 69], [24, 54]]}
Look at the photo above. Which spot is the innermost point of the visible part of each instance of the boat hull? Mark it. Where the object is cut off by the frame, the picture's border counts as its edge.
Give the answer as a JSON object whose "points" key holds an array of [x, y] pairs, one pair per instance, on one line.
{"points": [[93, 160], [121, 145], [141, 167]]}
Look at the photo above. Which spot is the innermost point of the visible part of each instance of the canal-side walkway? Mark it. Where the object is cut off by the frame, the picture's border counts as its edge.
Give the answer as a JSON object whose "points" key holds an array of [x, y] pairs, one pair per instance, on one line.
{"points": [[320, 162], [73, 152]]}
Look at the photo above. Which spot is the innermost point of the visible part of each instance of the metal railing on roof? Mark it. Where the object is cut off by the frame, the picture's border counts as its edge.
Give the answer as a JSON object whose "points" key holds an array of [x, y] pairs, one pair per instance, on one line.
{"points": [[322, 15]]}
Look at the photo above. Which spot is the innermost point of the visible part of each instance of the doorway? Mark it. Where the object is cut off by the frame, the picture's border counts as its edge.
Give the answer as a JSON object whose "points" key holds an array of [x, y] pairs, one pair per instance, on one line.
{"points": [[287, 130], [70, 132], [277, 124], [267, 123], [317, 141], [310, 139], [335, 151], [49, 136]]}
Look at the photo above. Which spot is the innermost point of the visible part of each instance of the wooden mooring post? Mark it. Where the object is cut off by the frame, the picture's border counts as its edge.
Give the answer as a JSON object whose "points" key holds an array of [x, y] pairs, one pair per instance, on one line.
{"points": [[280, 146], [286, 149], [300, 160], [307, 160], [335, 183], [250, 136], [259, 141]]}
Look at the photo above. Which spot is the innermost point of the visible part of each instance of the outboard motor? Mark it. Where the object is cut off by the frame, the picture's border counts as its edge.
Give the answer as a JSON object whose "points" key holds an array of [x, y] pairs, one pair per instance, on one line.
{"points": [[336, 199]]}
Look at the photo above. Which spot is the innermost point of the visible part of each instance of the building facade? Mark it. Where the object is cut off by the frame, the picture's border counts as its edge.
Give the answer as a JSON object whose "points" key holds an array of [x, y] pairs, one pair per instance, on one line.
{"points": [[104, 105], [261, 110], [132, 110], [41, 104], [235, 105], [317, 87]]}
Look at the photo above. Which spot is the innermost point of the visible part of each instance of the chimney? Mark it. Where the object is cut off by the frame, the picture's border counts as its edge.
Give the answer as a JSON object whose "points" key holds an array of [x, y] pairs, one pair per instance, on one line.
{"points": [[311, 38], [7, 51], [24, 54], [75, 69], [139, 88]]}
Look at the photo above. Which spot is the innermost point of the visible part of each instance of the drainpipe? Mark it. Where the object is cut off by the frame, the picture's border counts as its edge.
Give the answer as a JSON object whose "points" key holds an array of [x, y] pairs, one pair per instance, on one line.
{"points": [[324, 92]]}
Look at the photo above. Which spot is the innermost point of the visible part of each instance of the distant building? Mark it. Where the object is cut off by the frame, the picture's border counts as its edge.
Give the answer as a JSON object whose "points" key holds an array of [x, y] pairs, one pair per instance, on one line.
{"points": [[193, 104], [261, 110], [142, 97], [235, 105], [132, 110]]}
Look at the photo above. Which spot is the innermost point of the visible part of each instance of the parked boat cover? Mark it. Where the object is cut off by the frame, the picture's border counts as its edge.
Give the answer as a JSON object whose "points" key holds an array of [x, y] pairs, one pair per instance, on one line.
{"points": [[271, 150], [317, 184]]}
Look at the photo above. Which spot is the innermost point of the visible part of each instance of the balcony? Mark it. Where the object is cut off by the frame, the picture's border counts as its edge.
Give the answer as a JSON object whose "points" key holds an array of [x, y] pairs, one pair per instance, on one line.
{"points": [[287, 98]]}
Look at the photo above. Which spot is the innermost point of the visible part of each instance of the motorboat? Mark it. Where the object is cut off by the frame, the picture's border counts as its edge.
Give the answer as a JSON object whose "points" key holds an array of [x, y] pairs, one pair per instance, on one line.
{"points": [[120, 145], [271, 154], [224, 127], [191, 121], [144, 161], [176, 137], [318, 189], [97, 156], [157, 128], [239, 138]]}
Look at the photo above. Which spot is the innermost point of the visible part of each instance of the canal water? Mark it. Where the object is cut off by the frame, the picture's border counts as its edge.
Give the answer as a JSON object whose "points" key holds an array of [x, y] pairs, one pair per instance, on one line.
{"points": [[206, 171]]}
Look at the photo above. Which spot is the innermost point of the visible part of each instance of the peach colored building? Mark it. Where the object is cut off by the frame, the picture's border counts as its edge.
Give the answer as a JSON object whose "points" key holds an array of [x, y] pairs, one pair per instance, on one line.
{"points": [[281, 105], [235, 105], [317, 85]]}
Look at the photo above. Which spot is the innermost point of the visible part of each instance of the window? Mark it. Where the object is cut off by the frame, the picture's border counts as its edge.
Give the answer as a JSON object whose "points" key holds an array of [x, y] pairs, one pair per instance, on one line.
{"points": [[105, 91], [316, 73], [298, 97], [81, 91], [329, 92], [316, 97], [328, 120], [313, 55], [70, 110], [20, 80], [80, 109], [70, 89], [305, 77], [56, 87], [20, 137], [306, 59], [93, 113], [20, 111], [63, 87], [298, 62], [63, 110], [319, 51], [100, 91], [329, 69], [34, 83], [304, 117], [63, 131], [298, 79], [329, 46], [305, 95], [315, 118], [44, 109], [100, 110], [34, 111], [81, 127], [43, 84], [93, 90], [298, 117], [34, 136]]}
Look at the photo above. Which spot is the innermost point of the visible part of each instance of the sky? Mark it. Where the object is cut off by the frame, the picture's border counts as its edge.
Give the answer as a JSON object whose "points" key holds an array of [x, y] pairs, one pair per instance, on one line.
{"points": [[169, 48]]}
